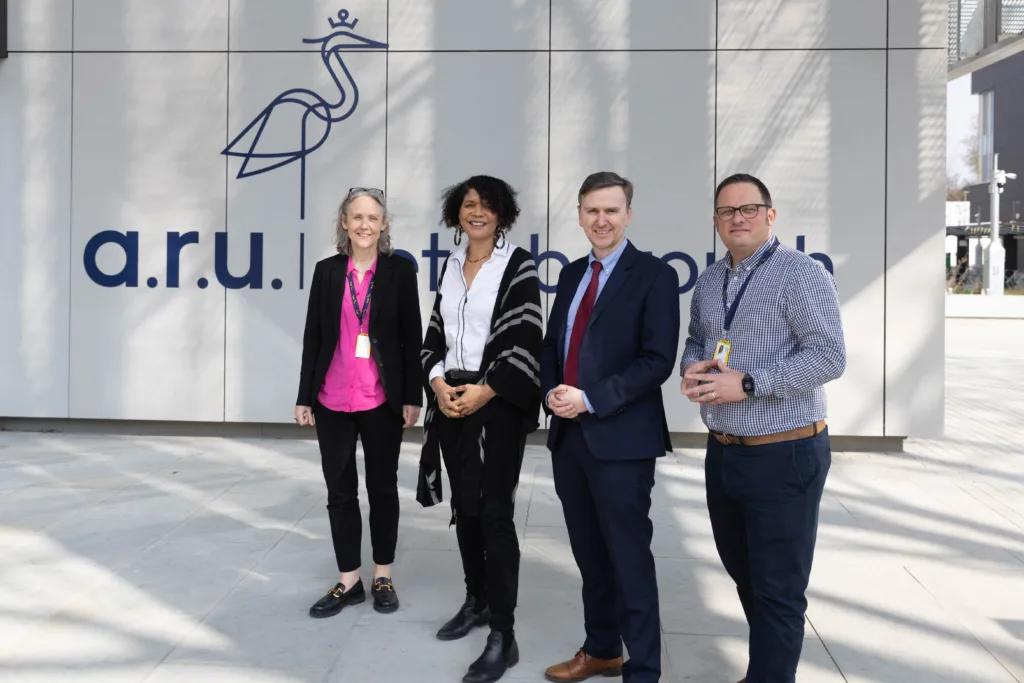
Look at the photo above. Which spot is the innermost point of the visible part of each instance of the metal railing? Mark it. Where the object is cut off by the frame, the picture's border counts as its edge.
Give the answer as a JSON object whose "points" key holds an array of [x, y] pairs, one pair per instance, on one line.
{"points": [[1011, 19], [965, 34], [977, 24]]}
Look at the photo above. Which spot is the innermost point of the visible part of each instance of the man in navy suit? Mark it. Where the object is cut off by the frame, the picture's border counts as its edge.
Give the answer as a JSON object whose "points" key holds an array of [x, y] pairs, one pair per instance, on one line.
{"points": [[611, 343]]}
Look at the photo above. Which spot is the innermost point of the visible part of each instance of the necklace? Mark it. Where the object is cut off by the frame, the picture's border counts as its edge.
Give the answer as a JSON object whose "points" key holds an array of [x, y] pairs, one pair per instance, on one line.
{"points": [[476, 260]]}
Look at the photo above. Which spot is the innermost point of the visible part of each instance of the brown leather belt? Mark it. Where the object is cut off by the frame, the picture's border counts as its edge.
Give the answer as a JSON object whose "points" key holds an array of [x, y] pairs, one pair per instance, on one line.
{"points": [[778, 437]]}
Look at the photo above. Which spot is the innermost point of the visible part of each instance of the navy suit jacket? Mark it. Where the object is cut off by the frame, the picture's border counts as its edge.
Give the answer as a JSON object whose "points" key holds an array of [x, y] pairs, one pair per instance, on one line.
{"points": [[628, 352]]}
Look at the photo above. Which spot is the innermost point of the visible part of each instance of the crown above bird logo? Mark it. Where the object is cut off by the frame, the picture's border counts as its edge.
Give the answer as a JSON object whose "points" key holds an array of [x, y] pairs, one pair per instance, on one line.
{"points": [[342, 20]]}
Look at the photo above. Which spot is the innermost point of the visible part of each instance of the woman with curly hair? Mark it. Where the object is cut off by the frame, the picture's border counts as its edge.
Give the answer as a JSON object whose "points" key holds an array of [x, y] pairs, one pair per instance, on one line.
{"points": [[480, 361], [360, 378]]}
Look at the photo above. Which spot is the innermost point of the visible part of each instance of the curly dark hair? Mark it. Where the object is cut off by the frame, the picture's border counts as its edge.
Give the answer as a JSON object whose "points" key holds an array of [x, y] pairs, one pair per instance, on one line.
{"points": [[496, 195]]}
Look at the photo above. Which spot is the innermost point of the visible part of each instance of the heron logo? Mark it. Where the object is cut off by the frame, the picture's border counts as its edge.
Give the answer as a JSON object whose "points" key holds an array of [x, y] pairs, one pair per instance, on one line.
{"points": [[313, 114]]}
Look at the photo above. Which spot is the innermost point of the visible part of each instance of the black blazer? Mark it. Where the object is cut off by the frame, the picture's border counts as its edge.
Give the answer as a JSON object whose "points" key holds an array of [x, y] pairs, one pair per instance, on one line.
{"points": [[395, 329]]}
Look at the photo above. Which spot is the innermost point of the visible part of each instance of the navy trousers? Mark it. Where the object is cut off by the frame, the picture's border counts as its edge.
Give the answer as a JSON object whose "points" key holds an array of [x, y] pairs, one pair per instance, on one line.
{"points": [[606, 506], [763, 502]]}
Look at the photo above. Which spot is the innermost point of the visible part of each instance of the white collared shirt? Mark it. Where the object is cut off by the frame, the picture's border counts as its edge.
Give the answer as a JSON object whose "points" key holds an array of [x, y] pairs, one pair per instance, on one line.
{"points": [[467, 311]]}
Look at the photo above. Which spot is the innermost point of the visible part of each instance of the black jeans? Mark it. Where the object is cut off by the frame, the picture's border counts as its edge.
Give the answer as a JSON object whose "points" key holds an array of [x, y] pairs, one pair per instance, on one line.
{"points": [[763, 502], [488, 542], [380, 431]]}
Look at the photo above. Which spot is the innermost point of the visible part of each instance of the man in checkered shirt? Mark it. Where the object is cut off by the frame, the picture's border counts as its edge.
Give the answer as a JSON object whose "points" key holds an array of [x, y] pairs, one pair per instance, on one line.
{"points": [[765, 335]]}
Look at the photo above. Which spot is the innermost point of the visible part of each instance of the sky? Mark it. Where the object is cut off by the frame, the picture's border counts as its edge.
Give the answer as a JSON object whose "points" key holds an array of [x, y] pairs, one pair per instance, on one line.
{"points": [[961, 121]]}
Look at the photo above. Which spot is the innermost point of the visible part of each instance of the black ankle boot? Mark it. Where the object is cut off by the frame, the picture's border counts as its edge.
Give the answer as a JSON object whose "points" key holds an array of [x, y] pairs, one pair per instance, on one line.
{"points": [[500, 654], [469, 615]]}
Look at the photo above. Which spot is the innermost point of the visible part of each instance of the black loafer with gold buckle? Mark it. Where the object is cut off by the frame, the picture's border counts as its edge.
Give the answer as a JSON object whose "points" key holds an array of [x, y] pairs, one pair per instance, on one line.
{"points": [[337, 599], [385, 599]]}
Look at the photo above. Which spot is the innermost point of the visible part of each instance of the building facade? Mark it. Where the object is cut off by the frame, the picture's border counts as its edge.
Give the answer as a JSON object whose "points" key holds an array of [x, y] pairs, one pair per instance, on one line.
{"points": [[170, 174], [1000, 90], [986, 45]]}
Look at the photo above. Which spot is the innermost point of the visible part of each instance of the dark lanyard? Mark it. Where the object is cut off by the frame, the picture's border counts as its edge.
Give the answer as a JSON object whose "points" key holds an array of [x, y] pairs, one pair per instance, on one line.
{"points": [[730, 311], [360, 314]]}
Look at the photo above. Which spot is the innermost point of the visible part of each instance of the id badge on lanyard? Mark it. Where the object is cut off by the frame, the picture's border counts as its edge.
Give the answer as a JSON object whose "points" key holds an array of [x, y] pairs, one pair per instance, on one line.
{"points": [[363, 339], [363, 345], [723, 348]]}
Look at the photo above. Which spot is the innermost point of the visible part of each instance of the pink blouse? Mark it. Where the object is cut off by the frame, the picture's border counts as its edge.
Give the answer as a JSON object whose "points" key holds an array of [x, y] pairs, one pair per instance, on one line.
{"points": [[352, 384]]}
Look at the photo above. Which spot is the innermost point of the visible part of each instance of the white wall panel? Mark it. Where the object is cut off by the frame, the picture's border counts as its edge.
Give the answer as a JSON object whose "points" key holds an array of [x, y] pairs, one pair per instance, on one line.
{"points": [[631, 25], [468, 25], [265, 323], [915, 243], [801, 24], [35, 225], [148, 132], [796, 95], [453, 115], [283, 24], [606, 117], [815, 134], [38, 25], [919, 23], [144, 25]]}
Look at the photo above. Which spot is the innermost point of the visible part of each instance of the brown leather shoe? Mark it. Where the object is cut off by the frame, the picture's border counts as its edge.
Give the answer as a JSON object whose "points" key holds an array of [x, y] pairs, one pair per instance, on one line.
{"points": [[582, 667]]}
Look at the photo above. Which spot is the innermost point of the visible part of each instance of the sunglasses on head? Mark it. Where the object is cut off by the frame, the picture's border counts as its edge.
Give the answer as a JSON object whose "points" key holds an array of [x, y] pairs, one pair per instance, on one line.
{"points": [[373, 191]]}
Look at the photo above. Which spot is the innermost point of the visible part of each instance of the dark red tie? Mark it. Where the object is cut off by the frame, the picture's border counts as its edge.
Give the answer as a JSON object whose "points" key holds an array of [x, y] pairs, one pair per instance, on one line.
{"points": [[579, 326]]}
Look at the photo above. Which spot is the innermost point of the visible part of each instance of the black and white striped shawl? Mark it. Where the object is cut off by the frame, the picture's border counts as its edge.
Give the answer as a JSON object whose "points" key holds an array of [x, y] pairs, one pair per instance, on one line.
{"points": [[511, 367]]}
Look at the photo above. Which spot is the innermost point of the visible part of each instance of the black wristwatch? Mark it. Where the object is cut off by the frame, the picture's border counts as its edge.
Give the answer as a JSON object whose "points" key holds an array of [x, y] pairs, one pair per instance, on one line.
{"points": [[748, 385]]}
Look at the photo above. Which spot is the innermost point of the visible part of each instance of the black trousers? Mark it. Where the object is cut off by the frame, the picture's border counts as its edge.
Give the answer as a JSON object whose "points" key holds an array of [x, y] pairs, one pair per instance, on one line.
{"points": [[380, 431], [607, 506], [488, 542], [763, 502]]}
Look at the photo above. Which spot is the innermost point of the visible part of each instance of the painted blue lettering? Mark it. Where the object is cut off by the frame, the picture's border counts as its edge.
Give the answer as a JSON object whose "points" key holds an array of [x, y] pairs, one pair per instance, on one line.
{"points": [[129, 274], [562, 259], [175, 243], [253, 277], [690, 263], [823, 259], [405, 254], [434, 254]]}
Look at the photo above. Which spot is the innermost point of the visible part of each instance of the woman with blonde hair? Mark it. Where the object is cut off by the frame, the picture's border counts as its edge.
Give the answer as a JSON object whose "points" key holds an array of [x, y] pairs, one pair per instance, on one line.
{"points": [[360, 378]]}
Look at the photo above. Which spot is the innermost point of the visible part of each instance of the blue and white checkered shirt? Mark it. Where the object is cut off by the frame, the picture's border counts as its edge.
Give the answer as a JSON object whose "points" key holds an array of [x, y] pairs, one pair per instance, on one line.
{"points": [[787, 333]]}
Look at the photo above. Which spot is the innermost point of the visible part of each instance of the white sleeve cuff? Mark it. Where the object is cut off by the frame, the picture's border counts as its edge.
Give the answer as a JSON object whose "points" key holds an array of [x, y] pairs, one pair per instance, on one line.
{"points": [[436, 371]]}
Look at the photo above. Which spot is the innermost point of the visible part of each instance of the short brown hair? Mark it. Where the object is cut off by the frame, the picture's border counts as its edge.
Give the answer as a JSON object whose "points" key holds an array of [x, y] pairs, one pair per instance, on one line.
{"points": [[603, 179]]}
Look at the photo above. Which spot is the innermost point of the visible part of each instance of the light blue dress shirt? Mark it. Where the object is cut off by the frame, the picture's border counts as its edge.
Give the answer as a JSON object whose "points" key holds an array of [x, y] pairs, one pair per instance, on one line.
{"points": [[607, 266]]}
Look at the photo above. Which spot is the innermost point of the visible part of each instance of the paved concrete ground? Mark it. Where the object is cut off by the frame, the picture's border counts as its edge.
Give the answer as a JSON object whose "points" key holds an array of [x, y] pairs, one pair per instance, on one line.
{"points": [[129, 559]]}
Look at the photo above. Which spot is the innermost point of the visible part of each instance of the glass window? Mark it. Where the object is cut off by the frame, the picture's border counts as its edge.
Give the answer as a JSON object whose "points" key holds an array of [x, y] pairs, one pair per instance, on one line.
{"points": [[986, 122]]}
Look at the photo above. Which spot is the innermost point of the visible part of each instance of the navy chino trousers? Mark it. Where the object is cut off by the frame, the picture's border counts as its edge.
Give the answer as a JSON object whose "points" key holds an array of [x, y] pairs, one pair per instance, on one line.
{"points": [[763, 502]]}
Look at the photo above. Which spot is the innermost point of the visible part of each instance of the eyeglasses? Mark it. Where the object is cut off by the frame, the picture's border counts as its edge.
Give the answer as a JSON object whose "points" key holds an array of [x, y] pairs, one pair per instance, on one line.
{"points": [[747, 210], [372, 191]]}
